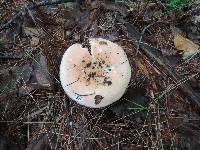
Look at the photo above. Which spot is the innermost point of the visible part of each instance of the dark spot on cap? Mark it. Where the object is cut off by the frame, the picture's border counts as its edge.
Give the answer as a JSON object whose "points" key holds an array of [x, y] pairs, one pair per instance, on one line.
{"points": [[103, 43], [83, 60], [109, 82], [98, 99], [117, 53], [88, 65], [100, 65], [92, 74]]}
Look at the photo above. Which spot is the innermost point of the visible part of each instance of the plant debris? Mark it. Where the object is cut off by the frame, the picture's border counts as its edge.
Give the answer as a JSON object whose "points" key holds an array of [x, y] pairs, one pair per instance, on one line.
{"points": [[160, 109], [187, 46]]}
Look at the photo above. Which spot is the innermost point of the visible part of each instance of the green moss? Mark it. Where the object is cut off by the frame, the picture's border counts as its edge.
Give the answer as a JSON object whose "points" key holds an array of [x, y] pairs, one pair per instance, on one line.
{"points": [[177, 4]]}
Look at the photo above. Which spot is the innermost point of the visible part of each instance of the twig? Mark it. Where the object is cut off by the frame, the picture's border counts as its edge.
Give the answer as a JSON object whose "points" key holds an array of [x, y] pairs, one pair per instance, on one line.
{"points": [[190, 12], [50, 3], [142, 34], [139, 37]]}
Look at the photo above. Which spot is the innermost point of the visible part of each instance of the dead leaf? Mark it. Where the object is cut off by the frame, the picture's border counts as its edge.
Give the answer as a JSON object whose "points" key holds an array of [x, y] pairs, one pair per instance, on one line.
{"points": [[35, 41], [11, 78], [31, 31], [184, 44], [41, 71], [188, 47], [34, 34], [39, 144]]}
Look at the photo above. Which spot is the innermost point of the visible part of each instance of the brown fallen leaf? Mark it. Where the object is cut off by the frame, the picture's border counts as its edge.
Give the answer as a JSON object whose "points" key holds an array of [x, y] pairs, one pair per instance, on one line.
{"points": [[181, 43], [11, 78], [41, 72], [39, 144], [34, 34]]}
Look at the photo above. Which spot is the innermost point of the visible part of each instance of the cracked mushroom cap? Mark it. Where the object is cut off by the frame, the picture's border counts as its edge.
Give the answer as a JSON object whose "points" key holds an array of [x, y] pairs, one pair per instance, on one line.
{"points": [[95, 80]]}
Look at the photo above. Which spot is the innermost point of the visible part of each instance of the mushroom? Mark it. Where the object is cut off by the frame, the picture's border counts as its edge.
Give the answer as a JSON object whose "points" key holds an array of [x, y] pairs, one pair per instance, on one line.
{"points": [[95, 79]]}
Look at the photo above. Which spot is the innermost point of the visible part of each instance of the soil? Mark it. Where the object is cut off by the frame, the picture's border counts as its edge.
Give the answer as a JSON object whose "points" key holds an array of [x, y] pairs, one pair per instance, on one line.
{"points": [[161, 107]]}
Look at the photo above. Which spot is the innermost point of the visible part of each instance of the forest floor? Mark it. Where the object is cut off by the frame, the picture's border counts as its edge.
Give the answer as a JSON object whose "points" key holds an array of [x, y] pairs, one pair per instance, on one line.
{"points": [[161, 107]]}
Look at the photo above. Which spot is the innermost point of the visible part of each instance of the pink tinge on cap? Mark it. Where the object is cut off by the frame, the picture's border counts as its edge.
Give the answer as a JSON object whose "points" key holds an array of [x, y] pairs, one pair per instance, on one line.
{"points": [[95, 80]]}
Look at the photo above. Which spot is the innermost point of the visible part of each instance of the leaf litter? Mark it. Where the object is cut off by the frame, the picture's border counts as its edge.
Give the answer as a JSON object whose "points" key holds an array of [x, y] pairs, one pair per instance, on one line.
{"points": [[188, 47], [160, 108]]}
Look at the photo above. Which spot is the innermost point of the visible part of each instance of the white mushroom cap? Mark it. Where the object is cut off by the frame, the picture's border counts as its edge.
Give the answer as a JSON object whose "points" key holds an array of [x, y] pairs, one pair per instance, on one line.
{"points": [[95, 80]]}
